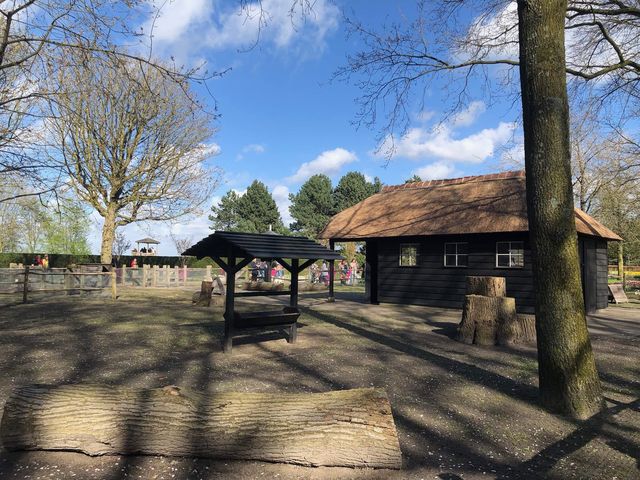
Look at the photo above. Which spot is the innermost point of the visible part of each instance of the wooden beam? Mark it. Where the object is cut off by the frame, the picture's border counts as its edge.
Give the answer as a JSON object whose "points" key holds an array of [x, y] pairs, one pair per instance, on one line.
{"points": [[222, 263], [242, 264], [308, 263], [331, 272], [282, 262], [295, 270], [229, 306], [264, 293]]}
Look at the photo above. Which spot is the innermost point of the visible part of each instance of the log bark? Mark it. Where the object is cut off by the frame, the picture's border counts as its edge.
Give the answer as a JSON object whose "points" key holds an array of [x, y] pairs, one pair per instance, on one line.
{"points": [[352, 428], [482, 316], [487, 286], [517, 329]]}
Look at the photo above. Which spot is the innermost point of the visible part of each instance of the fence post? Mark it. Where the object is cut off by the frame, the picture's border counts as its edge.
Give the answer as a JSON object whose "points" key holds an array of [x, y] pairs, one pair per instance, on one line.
{"points": [[167, 275], [155, 275], [176, 269], [145, 269], [114, 279], [25, 288], [124, 275]]}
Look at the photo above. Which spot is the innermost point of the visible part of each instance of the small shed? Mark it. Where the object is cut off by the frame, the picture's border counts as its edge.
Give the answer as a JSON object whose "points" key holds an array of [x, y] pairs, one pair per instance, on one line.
{"points": [[234, 250]]}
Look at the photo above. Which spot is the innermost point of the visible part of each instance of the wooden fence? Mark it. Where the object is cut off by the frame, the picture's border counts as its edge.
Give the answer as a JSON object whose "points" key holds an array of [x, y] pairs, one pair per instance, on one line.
{"points": [[30, 280]]}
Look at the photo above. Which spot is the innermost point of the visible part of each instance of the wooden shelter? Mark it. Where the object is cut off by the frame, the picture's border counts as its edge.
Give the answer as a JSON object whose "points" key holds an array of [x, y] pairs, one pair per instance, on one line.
{"points": [[147, 242], [234, 250], [424, 238]]}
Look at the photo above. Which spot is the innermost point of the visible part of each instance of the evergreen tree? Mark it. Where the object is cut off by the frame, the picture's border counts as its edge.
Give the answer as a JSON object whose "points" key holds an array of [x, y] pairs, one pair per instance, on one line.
{"points": [[312, 206], [257, 210], [414, 179], [353, 188], [225, 215]]}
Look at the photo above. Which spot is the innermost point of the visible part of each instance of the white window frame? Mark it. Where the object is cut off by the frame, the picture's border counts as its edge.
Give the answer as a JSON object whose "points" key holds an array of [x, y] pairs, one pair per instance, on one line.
{"points": [[400, 255], [456, 255], [512, 246]]}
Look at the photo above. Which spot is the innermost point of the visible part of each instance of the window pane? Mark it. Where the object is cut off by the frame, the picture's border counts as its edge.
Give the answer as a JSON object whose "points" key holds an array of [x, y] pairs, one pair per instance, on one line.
{"points": [[408, 255], [450, 260], [463, 260], [517, 260], [503, 261], [502, 247], [463, 248], [450, 248]]}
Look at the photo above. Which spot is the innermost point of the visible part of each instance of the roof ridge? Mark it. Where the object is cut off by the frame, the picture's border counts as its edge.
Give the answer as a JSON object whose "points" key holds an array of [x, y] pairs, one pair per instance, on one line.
{"points": [[456, 181]]}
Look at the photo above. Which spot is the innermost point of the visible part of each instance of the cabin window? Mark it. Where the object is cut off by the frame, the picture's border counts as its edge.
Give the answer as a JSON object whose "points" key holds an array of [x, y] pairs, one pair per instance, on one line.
{"points": [[456, 254], [408, 254], [509, 254]]}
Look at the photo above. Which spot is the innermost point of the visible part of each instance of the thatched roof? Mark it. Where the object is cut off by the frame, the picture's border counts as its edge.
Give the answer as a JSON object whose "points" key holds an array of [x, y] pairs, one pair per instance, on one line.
{"points": [[481, 204]]}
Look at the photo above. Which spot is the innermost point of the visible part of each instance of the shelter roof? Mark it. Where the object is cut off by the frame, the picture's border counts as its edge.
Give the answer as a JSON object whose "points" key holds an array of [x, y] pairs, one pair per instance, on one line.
{"points": [[148, 240], [479, 204], [259, 245]]}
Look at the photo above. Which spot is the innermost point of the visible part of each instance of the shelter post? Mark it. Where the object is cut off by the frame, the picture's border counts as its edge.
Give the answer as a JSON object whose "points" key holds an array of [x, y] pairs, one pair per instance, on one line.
{"points": [[332, 297], [229, 303], [295, 272]]}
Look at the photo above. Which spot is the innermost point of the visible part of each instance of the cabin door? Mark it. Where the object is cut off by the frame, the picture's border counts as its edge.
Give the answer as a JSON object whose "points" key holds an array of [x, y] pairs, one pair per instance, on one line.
{"points": [[588, 270]]}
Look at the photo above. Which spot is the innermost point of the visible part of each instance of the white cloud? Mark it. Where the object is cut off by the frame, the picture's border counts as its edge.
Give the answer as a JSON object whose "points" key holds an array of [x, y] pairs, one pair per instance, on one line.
{"points": [[436, 171], [172, 19], [186, 26], [251, 148], [469, 115], [420, 143], [280, 194], [328, 162]]}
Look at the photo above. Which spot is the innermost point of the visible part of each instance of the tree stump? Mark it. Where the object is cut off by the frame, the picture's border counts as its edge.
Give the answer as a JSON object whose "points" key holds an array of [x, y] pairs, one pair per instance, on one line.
{"points": [[518, 329], [482, 317], [487, 286], [206, 289], [350, 428]]}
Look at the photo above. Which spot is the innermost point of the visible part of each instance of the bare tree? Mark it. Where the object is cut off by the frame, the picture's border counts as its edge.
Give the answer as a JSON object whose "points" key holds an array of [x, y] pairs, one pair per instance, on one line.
{"points": [[181, 244], [34, 34], [131, 142], [121, 245], [399, 63]]}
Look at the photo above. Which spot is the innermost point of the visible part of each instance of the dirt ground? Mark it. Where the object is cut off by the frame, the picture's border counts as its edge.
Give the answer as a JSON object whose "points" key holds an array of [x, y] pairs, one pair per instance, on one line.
{"points": [[462, 412]]}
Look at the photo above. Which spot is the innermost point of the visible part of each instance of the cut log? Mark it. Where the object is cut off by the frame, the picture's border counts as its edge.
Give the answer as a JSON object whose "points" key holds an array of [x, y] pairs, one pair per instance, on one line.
{"points": [[482, 316], [487, 286], [350, 428]]}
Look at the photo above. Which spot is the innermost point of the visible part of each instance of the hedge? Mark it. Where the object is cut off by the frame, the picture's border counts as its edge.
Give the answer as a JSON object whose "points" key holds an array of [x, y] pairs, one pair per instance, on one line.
{"points": [[58, 260]]}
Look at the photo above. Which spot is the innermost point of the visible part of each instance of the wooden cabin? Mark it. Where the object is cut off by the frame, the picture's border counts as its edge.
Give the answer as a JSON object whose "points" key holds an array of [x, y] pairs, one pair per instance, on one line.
{"points": [[424, 238]]}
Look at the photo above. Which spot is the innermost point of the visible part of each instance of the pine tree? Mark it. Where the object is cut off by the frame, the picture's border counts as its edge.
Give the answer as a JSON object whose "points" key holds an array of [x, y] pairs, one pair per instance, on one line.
{"points": [[257, 210], [353, 188], [225, 215], [312, 206]]}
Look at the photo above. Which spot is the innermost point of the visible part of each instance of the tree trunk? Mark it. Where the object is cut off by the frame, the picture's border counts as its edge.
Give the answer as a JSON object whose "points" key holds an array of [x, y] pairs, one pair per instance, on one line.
{"points": [[108, 235], [621, 263], [352, 428], [569, 380]]}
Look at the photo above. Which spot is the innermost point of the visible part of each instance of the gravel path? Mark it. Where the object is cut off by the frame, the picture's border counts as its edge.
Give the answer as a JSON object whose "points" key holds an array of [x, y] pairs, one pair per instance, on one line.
{"points": [[462, 412]]}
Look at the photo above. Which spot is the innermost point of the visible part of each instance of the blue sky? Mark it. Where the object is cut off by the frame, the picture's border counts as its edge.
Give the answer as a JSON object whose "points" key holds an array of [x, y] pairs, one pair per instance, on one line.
{"points": [[282, 119]]}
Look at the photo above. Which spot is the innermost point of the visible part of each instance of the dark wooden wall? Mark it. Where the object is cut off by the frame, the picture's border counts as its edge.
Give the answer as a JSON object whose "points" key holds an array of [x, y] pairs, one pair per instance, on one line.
{"points": [[431, 283]]}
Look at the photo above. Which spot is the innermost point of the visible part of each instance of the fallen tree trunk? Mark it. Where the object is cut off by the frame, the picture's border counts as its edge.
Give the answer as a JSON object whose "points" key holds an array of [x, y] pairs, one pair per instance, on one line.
{"points": [[352, 428]]}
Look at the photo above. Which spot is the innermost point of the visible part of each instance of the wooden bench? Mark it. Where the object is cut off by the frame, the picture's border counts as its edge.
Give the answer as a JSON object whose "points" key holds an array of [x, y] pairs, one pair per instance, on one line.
{"points": [[269, 320]]}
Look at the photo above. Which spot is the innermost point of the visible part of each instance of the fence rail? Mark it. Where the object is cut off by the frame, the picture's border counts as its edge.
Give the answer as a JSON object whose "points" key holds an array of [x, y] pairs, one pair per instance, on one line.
{"points": [[28, 280]]}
